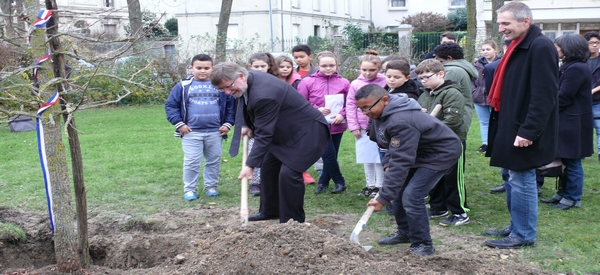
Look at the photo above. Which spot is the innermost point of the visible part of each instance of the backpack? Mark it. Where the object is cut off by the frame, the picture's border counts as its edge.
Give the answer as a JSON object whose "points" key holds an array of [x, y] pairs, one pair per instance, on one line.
{"points": [[21, 124], [553, 169]]}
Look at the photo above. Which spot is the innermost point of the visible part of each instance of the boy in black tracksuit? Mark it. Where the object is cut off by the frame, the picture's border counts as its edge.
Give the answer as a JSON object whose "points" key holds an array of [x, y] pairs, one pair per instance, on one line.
{"points": [[416, 143]]}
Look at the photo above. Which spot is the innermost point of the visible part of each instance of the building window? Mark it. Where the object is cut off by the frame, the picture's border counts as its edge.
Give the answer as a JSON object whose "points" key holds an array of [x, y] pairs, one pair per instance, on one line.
{"points": [[316, 30], [110, 29], [295, 30], [458, 3], [332, 7], [362, 8], [296, 4], [316, 5], [109, 4], [397, 3], [551, 35], [347, 7]]}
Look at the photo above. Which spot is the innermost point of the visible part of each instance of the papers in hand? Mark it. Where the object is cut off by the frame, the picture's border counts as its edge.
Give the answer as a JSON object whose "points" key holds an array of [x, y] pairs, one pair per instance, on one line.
{"points": [[335, 103]]}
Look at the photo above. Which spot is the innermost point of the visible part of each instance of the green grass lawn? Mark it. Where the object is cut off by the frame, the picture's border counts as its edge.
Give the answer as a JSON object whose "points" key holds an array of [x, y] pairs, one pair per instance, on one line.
{"points": [[133, 166]]}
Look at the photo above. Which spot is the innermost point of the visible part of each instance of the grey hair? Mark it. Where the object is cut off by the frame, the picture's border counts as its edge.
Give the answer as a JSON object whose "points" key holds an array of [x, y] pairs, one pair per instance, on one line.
{"points": [[226, 71], [519, 10]]}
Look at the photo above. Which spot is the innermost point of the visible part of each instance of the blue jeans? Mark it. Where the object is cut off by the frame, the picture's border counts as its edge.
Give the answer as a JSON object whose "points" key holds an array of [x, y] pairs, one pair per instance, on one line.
{"points": [[522, 202], [331, 167], [596, 111], [196, 144], [572, 183], [483, 113], [409, 208]]}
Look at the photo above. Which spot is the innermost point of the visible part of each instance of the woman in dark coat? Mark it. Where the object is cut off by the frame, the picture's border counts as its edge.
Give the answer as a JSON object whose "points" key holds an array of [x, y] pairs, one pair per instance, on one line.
{"points": [[575, 119]]}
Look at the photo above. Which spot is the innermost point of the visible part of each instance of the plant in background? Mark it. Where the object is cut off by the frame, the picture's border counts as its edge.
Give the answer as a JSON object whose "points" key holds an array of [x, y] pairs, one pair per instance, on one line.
{"points": [[427, 22], [458, 19], [172, 26], [150, 22]]}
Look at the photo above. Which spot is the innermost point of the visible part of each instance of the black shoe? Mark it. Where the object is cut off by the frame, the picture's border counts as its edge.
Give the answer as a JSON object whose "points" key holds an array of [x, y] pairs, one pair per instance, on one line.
{"points": [[320, 189], [550, 200], [498, 232], [508, 242], [394, 238], [338, 189], [539, 190], [437, 214], [482, 149], [499, 189], [261, 217], [562, 206], [423, 250]]}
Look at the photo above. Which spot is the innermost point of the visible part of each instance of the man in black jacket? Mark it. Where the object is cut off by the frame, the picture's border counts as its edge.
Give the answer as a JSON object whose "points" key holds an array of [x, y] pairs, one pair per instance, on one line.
{"points": [[289, 136], [524, 120]]}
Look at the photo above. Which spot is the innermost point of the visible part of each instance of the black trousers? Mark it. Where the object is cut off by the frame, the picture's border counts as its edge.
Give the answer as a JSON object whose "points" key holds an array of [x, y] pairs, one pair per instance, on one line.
{"points": [[450, 192], [281, 190]]}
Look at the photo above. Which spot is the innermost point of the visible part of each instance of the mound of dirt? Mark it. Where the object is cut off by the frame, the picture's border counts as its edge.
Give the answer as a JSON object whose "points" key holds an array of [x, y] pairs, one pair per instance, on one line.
{"points": [[207, 240]]}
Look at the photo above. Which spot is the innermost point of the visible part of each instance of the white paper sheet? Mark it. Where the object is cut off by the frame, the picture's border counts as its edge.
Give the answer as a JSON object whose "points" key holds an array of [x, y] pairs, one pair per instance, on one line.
{"points": [[367, 151], [335, 103]]}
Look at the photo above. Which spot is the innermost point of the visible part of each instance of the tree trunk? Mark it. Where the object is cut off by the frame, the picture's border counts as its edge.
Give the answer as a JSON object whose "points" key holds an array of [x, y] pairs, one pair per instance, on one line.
{"points": [[221, 46], [135, 17], [471, 30], [496, 4], [79, 184], [65, 232]]}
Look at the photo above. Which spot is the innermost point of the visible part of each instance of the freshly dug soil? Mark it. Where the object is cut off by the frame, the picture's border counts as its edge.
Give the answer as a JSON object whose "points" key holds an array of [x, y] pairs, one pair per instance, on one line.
{"points": [[207, 240]]}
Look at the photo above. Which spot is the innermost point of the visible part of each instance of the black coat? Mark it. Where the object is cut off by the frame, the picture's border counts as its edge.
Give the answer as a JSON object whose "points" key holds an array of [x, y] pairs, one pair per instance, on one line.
{"points": [[528, 106], [283, 123], [575, 118]]}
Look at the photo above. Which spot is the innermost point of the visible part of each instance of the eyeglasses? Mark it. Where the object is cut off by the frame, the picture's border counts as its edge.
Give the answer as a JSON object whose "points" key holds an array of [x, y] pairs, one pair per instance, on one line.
{"points": [[426, 77], [369, 109], [228, 86], [594, 43]]}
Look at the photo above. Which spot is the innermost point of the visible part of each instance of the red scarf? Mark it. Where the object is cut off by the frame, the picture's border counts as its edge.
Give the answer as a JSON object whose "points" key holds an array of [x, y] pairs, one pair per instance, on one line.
{"points": [[496, 89]]}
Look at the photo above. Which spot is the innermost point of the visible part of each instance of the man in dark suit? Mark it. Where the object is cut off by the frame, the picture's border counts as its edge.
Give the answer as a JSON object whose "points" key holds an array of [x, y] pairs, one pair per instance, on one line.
{"points": [[523, 131], [289, 136]]}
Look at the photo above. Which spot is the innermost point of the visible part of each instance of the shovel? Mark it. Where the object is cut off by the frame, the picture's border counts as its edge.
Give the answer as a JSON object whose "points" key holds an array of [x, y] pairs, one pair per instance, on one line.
{"points": [[361, 224], [244, 196]]}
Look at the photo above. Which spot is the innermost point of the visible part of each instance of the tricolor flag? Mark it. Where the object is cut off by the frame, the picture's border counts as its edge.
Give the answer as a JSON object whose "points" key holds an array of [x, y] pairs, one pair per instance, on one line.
{"points": [[39, 62], [43, 18], [42, 152]]}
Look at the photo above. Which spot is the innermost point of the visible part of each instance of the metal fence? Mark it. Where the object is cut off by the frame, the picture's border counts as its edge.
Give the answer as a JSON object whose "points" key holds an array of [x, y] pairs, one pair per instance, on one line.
{"points": [[424, 42]]}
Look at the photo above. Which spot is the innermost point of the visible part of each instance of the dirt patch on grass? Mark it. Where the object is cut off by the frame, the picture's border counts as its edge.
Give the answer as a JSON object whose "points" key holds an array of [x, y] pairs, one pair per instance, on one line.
{"points": [[206, 240]]}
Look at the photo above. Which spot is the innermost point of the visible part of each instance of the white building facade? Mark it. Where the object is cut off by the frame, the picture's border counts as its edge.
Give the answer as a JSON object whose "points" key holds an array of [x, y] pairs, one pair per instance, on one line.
{"points": [[273, 20]]}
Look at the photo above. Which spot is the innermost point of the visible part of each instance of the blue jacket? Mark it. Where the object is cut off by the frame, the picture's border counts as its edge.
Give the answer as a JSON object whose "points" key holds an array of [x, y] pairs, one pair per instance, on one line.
{"points": [[176, 106]]}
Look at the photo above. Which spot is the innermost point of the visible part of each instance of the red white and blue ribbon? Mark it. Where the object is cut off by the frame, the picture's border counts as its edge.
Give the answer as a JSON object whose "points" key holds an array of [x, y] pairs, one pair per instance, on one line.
{"points": [[39, 62], [42, 152], [43, 18]]}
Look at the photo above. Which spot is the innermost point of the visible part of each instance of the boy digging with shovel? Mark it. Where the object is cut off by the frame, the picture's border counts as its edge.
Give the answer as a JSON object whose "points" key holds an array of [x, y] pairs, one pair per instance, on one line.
{"points": [[418, 144]]}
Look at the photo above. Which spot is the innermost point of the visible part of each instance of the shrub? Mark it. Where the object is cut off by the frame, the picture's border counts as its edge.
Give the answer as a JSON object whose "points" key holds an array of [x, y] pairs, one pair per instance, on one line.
{"points": [[427, 22], [458, 19]]}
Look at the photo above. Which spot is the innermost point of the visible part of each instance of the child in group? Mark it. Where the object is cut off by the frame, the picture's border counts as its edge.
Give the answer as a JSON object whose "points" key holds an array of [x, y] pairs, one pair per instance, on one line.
{"points": [[450, 190], [324, 85], [285, 70], [303, 55], [366, 150], [264, 62], [417, 144], [398, 79], [489, 52], [202, 117]]}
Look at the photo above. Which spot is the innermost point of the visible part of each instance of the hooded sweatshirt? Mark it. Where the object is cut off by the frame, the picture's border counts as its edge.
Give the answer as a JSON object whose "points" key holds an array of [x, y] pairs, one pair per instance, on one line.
{"points": [[315, 87], [453, 106], [356, 119], [414, 139], [463, 73], [410, 88]]}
